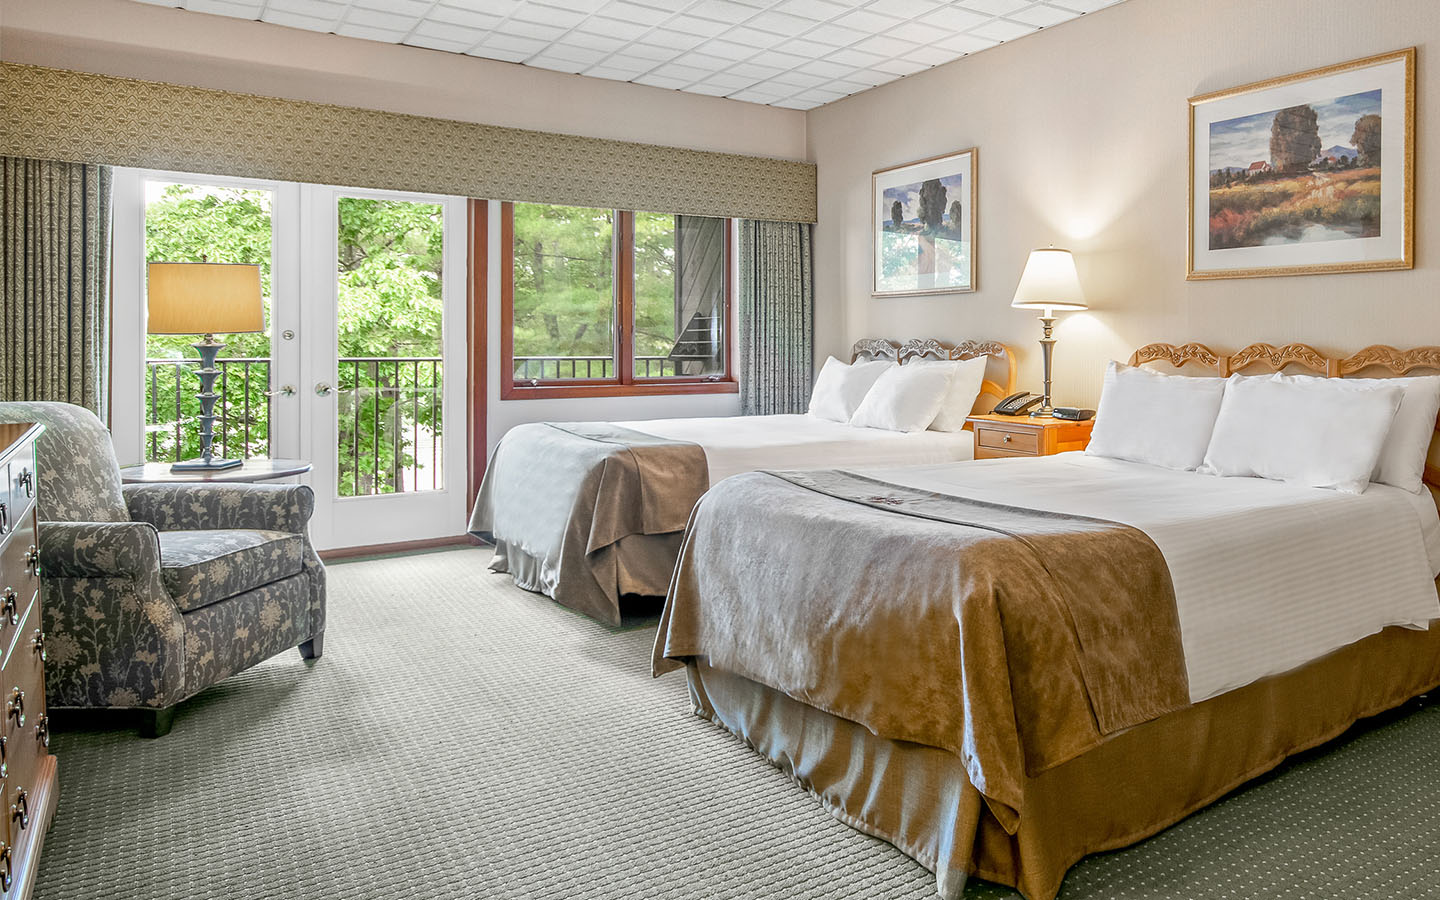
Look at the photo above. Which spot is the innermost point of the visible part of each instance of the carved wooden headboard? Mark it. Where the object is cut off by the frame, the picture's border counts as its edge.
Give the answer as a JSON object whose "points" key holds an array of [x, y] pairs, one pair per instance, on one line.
{"points": [[1393, 360], [999, 380]]}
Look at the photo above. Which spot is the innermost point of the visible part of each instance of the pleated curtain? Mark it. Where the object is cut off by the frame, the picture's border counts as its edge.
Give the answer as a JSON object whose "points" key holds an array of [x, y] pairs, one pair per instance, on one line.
{"points": [[777, 314], [55, 282]]}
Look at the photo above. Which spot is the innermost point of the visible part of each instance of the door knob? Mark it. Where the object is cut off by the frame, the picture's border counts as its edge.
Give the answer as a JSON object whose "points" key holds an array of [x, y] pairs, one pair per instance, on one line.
{"points": [[323, 390], [286, 390]]}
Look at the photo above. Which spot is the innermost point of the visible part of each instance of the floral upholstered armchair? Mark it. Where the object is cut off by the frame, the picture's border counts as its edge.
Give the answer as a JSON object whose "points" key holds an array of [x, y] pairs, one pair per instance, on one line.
{"points": [[153, 592]]}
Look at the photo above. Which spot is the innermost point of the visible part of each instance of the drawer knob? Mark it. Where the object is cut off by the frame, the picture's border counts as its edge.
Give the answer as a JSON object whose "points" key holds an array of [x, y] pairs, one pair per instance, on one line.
{"points": [[15, 708], [38, 642], [7, 873], [10, 607], [42, 730], [1005, 439], [32, 560], [20, 809], [27, 481]]}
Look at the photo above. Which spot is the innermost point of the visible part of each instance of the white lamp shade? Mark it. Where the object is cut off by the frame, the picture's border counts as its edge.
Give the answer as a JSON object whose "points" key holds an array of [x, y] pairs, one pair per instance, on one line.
{"points": [[1049, 282]]}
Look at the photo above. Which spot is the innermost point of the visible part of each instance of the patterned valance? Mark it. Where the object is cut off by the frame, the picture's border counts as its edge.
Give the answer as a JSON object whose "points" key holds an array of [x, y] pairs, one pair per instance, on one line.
{"points": [[79, 117]]}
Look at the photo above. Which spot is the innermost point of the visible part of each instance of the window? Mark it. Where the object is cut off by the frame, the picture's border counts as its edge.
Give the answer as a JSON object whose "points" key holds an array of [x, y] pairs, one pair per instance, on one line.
{"points": [[600, 302]]}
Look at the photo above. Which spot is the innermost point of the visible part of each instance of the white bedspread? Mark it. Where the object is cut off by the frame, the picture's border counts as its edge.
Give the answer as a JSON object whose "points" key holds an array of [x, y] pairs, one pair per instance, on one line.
{"points": [[1267, 576], [735, 444]]}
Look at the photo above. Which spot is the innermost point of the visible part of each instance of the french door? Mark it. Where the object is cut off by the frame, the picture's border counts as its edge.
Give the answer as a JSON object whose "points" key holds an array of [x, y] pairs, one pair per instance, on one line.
{"points": [[382, 372], [361, 369]]}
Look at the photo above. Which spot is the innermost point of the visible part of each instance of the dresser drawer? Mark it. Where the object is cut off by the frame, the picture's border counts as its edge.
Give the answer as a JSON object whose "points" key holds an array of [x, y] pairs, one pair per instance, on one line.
{"points": [[19, 576], [1018, 441], [26, 730]]}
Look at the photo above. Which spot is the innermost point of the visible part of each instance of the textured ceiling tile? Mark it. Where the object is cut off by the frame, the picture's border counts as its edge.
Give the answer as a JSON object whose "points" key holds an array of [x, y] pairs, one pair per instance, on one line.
{"points": [[861, 42]]}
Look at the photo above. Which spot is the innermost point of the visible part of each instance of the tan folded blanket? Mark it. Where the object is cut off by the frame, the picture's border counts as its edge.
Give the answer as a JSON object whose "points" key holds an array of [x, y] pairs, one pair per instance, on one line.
{"points": [[565, 494], [1011, 637]]}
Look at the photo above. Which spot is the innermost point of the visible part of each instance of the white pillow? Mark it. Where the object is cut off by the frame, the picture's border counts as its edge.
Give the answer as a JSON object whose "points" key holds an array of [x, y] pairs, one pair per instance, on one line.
{"points": [[1148, 417], [966, 376], [905, 398], [1316, 432], [840, 387], [1402, 462]]}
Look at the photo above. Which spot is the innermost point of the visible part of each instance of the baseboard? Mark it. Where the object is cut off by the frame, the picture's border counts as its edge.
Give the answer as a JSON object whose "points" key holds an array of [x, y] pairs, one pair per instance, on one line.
{"points": [[456, 540]]}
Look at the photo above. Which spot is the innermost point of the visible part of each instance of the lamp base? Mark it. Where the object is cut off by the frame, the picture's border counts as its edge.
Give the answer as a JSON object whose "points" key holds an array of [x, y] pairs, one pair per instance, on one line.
{"points": [[205, 465], [1043, 411]]}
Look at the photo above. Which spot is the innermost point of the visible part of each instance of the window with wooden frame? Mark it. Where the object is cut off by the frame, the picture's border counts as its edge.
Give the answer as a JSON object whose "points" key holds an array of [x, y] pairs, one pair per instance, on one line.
{"points": [[604, 303]]}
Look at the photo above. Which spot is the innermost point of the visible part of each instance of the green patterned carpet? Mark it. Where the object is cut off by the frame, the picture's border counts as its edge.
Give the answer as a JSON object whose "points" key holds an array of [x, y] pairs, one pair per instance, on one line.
{"points": [[462, 738]]}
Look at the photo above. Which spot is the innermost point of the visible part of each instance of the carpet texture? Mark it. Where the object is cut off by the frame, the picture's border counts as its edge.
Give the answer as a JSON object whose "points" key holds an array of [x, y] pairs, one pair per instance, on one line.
{"points": [[463, 738]]}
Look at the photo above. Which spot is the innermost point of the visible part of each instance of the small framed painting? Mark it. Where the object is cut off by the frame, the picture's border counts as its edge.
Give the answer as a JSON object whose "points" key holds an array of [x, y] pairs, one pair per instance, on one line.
{"points": [[1306, 174], [923, 221]]}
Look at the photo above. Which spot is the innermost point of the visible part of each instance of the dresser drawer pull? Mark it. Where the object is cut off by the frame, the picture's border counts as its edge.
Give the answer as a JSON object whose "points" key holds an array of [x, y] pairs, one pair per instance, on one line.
{"points": [[42, 730], [4, 518], [1006, 439], [4, 757], [15, 708], [38, 643], [20, 809], [10, 607], [32, 560], [27, 481], [7, 875]]}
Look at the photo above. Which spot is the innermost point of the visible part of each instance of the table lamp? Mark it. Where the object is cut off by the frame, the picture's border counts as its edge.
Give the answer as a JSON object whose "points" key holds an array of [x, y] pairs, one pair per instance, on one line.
{"points": [[1049, 283], [205, 298]]}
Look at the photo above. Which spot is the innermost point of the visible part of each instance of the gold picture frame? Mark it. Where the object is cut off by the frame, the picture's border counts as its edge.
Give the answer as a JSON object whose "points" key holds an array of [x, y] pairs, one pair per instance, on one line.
{"points": [[919, 246], [1349, 209]]}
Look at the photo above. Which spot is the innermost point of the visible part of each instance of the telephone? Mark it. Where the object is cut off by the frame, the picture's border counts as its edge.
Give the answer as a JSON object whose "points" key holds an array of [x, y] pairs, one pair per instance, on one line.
{"points": [[1016, 404]]}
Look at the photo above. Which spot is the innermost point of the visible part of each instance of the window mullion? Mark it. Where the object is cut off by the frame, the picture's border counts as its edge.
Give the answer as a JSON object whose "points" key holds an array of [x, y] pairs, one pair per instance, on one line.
{"points": [[625, 297]]}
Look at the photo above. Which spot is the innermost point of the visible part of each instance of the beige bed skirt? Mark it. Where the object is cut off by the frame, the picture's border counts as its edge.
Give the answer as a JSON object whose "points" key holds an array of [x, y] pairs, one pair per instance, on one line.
{"points": [[1137, 783]]}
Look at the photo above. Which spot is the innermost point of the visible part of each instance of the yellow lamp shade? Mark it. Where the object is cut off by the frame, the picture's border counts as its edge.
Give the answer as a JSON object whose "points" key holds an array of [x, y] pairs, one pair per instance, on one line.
{"points": [[1049, 282], [204, 298]]}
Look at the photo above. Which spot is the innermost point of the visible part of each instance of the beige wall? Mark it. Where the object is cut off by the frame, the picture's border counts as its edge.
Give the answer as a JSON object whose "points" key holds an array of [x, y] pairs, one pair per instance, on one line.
{"points": [[1082, 133], [120, 37]]}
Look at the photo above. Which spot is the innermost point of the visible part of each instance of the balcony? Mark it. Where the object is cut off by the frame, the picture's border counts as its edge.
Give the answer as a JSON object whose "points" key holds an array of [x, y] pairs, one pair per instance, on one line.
{"points": [[390, 421]]}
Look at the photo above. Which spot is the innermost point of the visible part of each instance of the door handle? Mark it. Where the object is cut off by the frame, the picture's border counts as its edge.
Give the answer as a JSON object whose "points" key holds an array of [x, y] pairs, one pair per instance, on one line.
{"points": [[286, 390], [323, 390]]}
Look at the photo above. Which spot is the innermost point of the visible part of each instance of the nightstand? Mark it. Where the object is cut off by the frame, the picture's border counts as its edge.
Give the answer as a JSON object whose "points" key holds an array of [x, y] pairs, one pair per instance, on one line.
{"points": [[999, 436]]}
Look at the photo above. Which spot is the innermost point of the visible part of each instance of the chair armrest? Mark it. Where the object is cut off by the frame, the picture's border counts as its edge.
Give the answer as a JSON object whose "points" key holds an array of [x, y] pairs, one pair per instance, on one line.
{"points": [[99, 550], [189, 507]]}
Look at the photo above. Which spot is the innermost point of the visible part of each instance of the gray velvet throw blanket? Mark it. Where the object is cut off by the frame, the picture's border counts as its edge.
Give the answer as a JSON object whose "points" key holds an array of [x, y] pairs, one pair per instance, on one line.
{"points": [[560, 499], [1014, 638]]}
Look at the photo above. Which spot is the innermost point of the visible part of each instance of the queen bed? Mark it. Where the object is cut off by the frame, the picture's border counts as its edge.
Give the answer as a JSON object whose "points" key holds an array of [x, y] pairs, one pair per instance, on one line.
{"points": [[1010, 664], [589, 512]]}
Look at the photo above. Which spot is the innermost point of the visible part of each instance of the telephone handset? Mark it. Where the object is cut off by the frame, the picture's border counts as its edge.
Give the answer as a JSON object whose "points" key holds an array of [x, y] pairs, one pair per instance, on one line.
{"points": [[1017, 404]]}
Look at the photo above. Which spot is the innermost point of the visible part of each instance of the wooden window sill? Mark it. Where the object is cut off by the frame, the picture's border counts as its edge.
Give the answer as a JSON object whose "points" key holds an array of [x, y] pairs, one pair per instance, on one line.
{"points": [[656, 388]]}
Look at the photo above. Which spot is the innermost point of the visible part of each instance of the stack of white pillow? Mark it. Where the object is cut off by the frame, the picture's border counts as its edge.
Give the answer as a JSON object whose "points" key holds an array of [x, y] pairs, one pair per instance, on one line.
{"points": [[919, 395], [1335, 433]]}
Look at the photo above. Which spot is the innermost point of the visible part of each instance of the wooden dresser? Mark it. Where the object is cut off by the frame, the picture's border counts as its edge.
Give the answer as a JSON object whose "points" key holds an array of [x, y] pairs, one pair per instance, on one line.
{"points": [[28, 788]]}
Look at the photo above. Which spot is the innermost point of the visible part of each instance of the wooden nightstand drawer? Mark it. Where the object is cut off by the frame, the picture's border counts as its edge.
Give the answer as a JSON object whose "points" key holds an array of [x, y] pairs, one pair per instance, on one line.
{"points": [[1012, 440]]}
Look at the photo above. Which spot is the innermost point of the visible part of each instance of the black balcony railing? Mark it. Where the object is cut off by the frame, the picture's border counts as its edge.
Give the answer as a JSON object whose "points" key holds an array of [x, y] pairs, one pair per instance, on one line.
{"points": [[560, 368], [389, 415]]}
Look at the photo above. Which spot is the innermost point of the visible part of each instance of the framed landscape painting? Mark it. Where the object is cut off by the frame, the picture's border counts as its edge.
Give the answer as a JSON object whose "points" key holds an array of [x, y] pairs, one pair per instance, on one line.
{"points": [[1305, 174], [923, 223]]}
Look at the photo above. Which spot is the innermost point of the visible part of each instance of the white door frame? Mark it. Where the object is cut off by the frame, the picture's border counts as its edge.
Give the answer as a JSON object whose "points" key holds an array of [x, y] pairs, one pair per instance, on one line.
{"points": [[128, 323], [387, 518]]}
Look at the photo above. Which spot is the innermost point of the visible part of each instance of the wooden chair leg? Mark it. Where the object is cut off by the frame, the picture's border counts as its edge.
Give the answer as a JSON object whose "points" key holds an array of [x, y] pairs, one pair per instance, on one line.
{"points": [[313, 648], [156, 723]]}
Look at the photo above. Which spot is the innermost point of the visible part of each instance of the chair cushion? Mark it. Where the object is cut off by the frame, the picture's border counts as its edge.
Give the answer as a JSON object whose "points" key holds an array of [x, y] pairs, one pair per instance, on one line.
{"points": [[204, 567]]}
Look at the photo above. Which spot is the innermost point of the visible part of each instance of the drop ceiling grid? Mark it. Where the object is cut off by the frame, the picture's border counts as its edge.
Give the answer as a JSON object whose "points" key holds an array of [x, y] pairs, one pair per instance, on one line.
{"points": [[796, 54]]}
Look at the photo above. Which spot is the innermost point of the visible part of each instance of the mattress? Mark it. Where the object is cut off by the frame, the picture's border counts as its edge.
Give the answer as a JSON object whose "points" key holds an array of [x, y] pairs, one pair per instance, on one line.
{"points": [[735, 444]]}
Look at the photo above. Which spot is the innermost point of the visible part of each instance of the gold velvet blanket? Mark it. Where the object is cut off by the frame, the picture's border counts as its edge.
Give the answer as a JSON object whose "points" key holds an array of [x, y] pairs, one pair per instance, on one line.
{"points": [[1014, 638], [558, 498]]}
